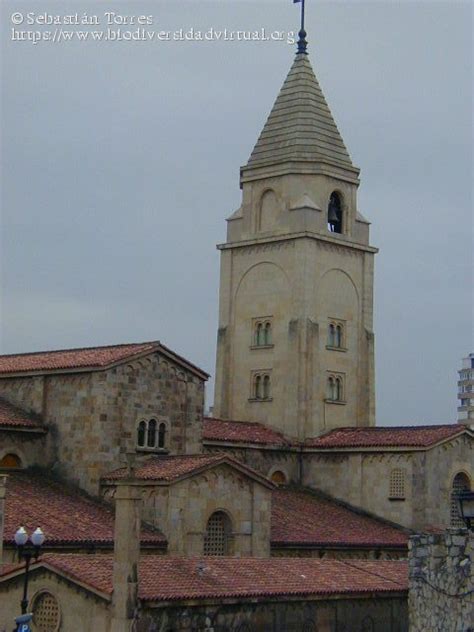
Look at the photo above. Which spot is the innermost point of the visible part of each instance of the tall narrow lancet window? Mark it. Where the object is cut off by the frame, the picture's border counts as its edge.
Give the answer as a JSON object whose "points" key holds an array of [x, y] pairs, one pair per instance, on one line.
{"points": [[266, 387], [259, 334], [335, 213], [162, 435], [461, 483], [339, 391], [338, 340], [268, 334], [331, 389], [151, 439], [141, 433], [258, 387], [332, 335]]}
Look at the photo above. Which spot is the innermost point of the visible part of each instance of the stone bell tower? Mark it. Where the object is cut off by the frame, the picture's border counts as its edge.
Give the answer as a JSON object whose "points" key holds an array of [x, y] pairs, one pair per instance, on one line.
{"points": [[295, 341]]}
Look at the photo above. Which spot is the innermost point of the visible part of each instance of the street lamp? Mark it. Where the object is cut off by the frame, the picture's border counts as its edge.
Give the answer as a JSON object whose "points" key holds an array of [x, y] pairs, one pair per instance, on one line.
{"points": [[27, 551], [466, 508]]}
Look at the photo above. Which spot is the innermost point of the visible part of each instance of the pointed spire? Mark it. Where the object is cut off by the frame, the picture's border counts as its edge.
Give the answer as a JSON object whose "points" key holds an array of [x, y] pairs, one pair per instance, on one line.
{"points": [[300, 126]]}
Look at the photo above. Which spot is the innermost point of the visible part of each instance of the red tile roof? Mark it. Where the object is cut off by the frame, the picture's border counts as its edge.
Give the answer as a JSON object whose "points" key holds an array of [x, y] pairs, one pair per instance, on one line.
{"points": [[171, 468], [393, 436], [93, 358], [67, 516], [242, 432], [163, 578], [302, 518], [14, 417]]}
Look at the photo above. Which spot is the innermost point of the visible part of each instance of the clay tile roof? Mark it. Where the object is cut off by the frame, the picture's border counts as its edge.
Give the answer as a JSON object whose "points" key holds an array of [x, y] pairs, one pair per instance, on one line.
{"points": [[302, 518], [92, 357], [171, 468], [14, 417], [66, 515], [163, 578], [242, 432], [393, 436]]}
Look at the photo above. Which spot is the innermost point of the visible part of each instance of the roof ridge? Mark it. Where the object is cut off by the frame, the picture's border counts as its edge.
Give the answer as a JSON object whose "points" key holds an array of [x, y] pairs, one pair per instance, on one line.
{"points": [[94, 347]]}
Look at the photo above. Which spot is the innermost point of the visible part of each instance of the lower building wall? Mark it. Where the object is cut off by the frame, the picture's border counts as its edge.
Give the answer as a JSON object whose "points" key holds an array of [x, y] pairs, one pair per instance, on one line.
{"points": [[375, 614], [341, 554], [441, 595], [79, 610]]}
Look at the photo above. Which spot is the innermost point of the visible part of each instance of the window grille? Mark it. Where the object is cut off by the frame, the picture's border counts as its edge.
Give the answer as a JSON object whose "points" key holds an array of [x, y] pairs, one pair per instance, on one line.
{"points": [[216, 539], [461, 483], [46, 615], [397, 484]]}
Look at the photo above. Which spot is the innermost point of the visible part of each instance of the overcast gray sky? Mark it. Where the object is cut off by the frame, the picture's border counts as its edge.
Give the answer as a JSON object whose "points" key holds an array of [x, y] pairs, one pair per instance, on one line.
{"points": [[120, 163]]}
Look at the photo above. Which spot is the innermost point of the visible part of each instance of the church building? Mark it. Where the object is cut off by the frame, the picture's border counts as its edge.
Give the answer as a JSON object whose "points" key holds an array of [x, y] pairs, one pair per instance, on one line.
{"points": [[286, 510]]}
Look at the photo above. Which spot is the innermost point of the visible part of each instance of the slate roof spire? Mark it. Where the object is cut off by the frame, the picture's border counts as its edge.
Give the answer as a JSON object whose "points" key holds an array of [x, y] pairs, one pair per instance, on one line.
{"points": [[300, 126]]}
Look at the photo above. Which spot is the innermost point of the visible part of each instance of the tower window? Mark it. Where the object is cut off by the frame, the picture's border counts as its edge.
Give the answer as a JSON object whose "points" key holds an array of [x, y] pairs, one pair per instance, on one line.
{"points": [[218, 533], [461, 483], [151, 435], [397, 484], [336, 334], [335, 388], [335, 213], [261, 386], [262, 332]]}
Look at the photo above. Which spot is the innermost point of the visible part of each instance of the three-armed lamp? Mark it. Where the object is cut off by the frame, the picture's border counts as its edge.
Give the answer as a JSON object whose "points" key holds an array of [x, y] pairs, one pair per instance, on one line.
{"points": [[28, 547], [466, 508]]}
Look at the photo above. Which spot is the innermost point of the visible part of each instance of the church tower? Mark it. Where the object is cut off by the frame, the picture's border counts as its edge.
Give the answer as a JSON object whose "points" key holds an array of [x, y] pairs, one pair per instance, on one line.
{"points": [[295, 341]]}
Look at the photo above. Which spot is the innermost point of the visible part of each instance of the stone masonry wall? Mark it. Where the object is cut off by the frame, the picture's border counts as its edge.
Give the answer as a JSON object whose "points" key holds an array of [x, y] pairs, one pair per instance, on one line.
{"points": [[92, 417], [441, 596]]}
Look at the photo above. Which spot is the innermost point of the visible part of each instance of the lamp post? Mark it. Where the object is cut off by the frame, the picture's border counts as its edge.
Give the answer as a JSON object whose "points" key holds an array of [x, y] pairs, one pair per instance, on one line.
{"points": [[466, 508], [27, 551]]}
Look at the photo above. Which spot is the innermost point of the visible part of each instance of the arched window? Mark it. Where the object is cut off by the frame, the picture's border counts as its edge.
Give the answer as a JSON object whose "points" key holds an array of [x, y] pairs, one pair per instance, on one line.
{"points": [[141, 434], [338, 341], [397, 484], [218, 533], [335, 213], [332, 335], [162, 435], [266, 387], [339, 390], [259, 335], [461, 483], [331, 389], [151, 439], [268, 333], [11, 461], [278, 477], [46, 613], [258, 387]]}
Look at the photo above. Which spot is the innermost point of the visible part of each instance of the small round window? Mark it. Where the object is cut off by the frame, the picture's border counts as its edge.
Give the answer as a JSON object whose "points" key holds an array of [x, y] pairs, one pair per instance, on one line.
{"points": [[46, 614]]}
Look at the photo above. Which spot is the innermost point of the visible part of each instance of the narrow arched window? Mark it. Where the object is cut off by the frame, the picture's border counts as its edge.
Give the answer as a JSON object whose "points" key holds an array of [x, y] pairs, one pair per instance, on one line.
{"points": [[266, 387], [268, 334], [218, 533], [397, 484], [151, 438], [335, 213], [339, 390], [338, 338], [332, 336], [258, 387], [461, 483], [162, 435], [259, 334], [141, 433], [331, 389]]}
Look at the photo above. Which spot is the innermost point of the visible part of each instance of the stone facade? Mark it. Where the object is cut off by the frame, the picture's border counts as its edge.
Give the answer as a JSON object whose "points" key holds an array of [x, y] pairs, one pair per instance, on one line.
{"points": [[362, 478], [182, 509], [441, 595], [92, 417]]}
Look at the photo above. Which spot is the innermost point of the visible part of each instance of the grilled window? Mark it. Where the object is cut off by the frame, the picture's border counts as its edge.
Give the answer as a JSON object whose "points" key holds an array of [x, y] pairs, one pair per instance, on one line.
{"points": [[461, 483], [218, 531], [46, 614], [397, 484]]}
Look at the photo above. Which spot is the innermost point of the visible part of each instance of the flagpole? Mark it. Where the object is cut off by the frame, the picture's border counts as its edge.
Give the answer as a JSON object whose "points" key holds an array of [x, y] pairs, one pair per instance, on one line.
{"points": [[302, 15], [302, 43]]}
